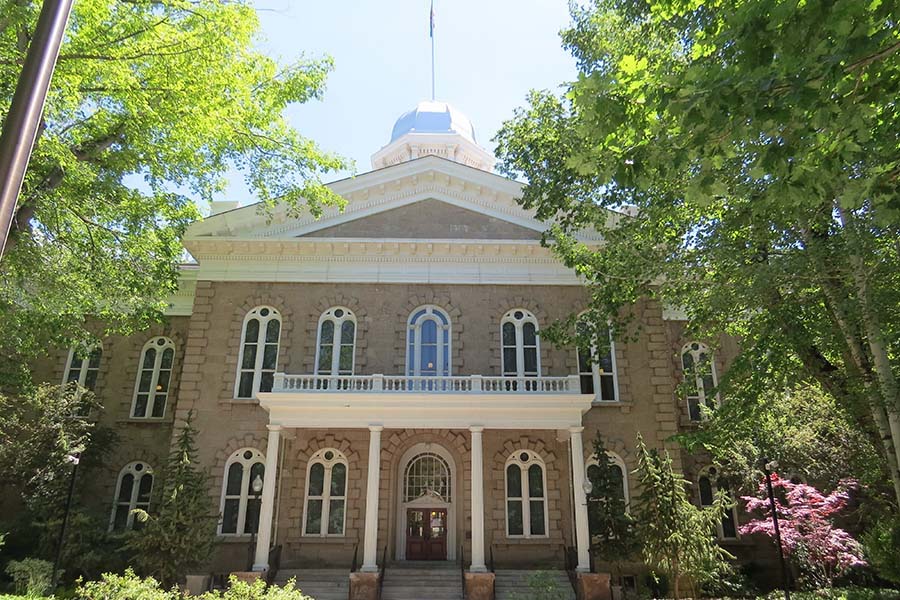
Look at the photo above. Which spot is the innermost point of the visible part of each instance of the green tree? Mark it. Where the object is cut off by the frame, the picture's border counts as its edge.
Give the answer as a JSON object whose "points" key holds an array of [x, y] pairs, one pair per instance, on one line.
{"points": [[677, 537], [751, 151], [151, 102], [611, 526], [39, 434], [181, 535]]}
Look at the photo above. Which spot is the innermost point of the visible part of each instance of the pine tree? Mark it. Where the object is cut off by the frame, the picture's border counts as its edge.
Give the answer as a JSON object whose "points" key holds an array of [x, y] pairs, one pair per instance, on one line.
{"points": [[181, 536], [676, 535], [613, 537]]}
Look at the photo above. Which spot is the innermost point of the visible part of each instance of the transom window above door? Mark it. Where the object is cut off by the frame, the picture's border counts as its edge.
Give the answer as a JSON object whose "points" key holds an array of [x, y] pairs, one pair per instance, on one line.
{"points": [[428, 342]]}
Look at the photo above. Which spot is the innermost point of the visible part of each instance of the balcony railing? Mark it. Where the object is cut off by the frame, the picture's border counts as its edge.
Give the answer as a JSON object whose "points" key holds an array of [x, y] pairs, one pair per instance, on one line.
{"points": [[455, 384]]}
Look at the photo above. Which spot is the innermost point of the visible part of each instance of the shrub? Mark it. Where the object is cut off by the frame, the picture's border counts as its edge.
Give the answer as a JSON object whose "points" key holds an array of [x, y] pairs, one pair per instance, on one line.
{"points": [[127, 586], [882, 545], [31, 576], [808, 534]]}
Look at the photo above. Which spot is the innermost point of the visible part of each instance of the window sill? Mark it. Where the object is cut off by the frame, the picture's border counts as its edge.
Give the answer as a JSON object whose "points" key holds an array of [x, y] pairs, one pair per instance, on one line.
{"points": [[334, 540], [609, 403], [248, 401], [523, 541], [228, 538], [146, 420]]}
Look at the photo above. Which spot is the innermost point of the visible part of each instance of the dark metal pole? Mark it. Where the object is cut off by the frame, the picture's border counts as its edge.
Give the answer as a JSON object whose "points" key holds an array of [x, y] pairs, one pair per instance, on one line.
{"points": [[21, 124], [75, 458], [784, 574]]}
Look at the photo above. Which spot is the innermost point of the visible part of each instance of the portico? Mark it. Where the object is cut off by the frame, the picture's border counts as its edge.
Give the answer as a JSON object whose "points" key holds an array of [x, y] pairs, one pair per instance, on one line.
{"points": [[472, 405]]}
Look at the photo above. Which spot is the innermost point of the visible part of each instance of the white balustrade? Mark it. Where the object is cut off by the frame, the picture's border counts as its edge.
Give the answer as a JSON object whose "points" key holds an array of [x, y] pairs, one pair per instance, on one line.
{"points": [[455, 384]]}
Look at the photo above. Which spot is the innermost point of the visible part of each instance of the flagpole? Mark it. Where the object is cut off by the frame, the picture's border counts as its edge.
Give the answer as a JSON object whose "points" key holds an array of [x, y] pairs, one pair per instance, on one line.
{"points": [[431, 34]]}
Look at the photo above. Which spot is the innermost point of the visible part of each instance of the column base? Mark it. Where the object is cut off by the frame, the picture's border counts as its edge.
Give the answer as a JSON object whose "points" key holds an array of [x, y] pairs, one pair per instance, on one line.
{"points": [[479, 586], [477, 569], [364, 586], [260, 568], [593, 586]]}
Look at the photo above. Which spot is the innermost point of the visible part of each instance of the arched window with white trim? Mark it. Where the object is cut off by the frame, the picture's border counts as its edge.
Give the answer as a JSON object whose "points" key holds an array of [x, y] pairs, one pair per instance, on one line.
{"points": [[609, 484], [151, 390], [326, 494], [258, 358], [83, 369], [521, 352], [336, 342], [699, 379], [133, 489], [597, 361], [708, 484], [428, 342], [240, 503], [526, 495]]}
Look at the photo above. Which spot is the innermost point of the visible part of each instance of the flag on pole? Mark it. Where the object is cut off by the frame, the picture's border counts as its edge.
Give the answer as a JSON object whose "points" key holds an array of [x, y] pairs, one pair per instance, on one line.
{"points": [[431, 22]]}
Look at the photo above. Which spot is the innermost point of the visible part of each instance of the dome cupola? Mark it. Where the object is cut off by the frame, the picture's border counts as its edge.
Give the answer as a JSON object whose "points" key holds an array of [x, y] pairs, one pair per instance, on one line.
{"points": [[433, 128]]}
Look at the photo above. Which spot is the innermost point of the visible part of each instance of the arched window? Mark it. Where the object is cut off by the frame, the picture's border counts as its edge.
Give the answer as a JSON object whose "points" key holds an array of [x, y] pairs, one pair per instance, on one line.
{"points": [[240, 504], [326, 493], [151, 391], [133, 489], [709, 483], [83, 368], [427, 473], [699, 378], [620, 475], [428, 342], [526, 496], [337, 339], [521, 349], [259, 352], [597, 361]]}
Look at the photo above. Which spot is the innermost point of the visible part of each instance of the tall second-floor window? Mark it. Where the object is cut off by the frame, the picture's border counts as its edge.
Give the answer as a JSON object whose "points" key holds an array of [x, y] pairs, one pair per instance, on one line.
{"points": [[521, 348], [259, 352], [699, 379], [596, 361], [151, 392], [428, 342], [83, 370], [337, 339]]}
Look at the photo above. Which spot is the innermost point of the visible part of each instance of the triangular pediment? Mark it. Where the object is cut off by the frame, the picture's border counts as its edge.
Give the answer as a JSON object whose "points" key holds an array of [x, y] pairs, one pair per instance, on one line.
{"points": [[428, 219]]}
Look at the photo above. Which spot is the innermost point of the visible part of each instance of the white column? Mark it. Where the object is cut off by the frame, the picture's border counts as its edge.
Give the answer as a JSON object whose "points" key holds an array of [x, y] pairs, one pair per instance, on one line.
{"points": [[370, 545], [477, 501], [582, 535], [266, 510]]}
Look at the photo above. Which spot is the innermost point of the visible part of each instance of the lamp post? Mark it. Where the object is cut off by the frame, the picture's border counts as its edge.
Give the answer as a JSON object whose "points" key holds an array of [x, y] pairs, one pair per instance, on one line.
{"points": [[256, 485], [767, 467], [73, 458]]}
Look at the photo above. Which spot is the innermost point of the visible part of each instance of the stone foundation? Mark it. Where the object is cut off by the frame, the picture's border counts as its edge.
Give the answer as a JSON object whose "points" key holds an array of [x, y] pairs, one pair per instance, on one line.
{"points": [[593, 586], [364, 586], [479, 586]]}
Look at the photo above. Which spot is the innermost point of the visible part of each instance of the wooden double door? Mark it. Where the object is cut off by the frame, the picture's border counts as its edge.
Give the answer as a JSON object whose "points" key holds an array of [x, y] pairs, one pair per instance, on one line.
{"points": [[426, 534]]}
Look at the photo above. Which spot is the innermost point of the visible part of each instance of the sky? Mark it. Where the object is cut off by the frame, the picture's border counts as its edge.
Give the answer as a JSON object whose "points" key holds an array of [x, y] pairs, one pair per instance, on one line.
{"points": [[488, 54]]}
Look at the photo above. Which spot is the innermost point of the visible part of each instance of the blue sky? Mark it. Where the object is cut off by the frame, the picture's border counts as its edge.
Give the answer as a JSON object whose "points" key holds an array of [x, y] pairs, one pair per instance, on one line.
{"points": [[489, 53]]}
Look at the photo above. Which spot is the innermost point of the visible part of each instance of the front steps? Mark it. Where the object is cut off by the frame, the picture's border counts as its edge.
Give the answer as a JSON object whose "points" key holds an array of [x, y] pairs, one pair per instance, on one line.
{"points": [[422, 580], [319, 584], [512, 584]]}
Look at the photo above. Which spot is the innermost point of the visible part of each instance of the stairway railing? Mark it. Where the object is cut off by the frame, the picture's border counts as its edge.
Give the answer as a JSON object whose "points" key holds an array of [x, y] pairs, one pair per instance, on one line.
{"points": [[491, 567], [462, 569], [353, 566], [274, 563], [381, 571]]}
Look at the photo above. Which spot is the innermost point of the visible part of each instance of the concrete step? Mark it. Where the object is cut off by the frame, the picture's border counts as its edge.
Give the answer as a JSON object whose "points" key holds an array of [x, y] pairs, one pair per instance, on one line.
{"points": [[422, 580], [319, 584]]}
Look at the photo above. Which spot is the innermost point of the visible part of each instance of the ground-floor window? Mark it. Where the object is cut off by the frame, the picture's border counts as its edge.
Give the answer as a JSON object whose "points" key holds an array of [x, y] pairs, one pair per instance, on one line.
{"points": [[709, 483], [526, 498], [326, 493], [240, 496], [133, 489]]}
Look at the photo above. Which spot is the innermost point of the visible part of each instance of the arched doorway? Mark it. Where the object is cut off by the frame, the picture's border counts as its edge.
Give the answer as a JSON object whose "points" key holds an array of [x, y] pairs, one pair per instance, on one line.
{"points": [[426, 507]]}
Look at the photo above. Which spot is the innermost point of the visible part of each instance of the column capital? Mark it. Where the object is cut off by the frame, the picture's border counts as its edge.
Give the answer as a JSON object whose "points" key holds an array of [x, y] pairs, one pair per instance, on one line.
{"points": [[577, 429], [476, 428], [376, 428], [274, 427]]}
